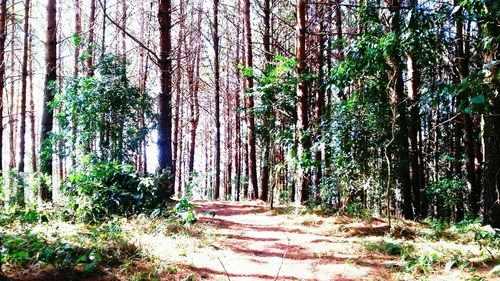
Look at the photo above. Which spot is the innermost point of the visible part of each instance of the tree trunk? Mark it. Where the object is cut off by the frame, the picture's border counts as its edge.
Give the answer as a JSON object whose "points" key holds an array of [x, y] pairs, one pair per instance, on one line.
{"points": [[414, 124], [215, 38], [268, 118], [78, 32], [49, 90], [178, 90], [34, 157], [320, 97], [491, 139], [249, 104], [466, 125], [165, 98], [3, 37], [401, 154], [237, 123], [24, 86], [302, 191], [90, 48], [124, 35], [12, 102]]}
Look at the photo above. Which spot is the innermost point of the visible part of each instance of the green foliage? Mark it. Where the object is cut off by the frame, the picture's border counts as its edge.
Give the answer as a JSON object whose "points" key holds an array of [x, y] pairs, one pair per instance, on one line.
{"points": [[423, 263], [357, 210], [16, 215], [76, 40], [99, 190], [390, 248], [185, 210], [446, 190], [100, 246], [106, 109]]}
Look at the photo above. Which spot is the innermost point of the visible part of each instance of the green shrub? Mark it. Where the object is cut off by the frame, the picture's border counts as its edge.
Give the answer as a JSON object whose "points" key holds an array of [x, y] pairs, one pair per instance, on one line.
{"points": [[103, 189], [390, 248], [185, 210]]}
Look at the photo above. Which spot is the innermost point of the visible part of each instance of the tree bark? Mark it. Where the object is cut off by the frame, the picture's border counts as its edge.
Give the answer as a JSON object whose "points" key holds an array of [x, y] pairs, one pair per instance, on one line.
{"points": [[48, 96], [401, 153], [178, 90], [3, 37], [249, 105], [34, 165], [215, 38], [414, 126], [237, 120], [91, 42], [320, 96], [78, 33], [165, 97], [302, 190], [24, 86], [12, 101], [268, 116]]}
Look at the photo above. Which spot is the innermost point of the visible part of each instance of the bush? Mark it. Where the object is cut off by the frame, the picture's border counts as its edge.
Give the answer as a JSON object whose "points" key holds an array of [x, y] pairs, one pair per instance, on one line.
{"points": [[103, 189]]}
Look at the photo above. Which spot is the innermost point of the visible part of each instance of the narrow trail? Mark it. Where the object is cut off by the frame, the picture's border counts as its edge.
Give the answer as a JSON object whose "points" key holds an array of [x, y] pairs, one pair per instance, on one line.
{"points": [[250, 242]]}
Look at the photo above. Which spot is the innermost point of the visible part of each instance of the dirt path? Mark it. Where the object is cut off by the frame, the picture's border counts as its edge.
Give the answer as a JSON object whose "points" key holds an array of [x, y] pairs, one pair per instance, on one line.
{"points": [[250, 242]]}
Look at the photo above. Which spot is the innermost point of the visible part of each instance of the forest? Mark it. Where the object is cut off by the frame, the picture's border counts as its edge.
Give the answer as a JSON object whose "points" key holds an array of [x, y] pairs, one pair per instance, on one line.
{"points": [[250, 140]]}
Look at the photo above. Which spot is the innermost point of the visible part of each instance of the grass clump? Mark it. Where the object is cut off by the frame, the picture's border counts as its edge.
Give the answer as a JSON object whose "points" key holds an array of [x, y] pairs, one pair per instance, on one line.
{"points": [[389, 248]]}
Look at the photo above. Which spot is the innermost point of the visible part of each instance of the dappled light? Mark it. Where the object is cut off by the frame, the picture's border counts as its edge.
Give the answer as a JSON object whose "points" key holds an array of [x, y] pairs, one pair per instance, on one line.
{"points": [[249, 140]]}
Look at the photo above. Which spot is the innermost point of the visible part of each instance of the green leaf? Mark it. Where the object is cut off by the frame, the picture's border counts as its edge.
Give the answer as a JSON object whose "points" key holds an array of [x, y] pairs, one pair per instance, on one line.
{"points": [[479, 100]]}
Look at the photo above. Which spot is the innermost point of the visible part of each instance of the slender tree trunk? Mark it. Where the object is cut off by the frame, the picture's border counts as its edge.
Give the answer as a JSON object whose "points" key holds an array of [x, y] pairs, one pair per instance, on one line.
{"points": [[78, 32], [237, 150], [24, 86], [320, 97], [338, 27], [268, 118], [103, 40], [414, 126], [215, 38], [124, 27], [91, 42], [193, 81], [3, 37], [229, 134], [50, 87], [165, 98], [249, 104], [465, 126], [178, 89], [34, 157], [12, 102], [302, 193]]}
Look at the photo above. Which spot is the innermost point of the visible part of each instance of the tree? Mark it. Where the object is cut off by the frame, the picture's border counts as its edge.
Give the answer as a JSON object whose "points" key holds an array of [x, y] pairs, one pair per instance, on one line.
{"points": [[400, 145], [49, 91], [24, 85], [91, 44], [268, 119], [302, 190], [414, 76], [491, 120], [3, 36], [249, 103], [165, 98], [215, 38]]}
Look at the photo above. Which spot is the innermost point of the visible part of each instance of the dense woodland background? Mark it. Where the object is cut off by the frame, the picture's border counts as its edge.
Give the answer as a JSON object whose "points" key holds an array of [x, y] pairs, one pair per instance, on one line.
{"points": [[388, 106]]}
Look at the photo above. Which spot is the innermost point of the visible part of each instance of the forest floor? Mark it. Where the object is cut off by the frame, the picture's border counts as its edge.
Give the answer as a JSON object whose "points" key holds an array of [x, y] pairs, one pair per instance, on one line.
{"points": [[249, 241]]}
